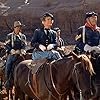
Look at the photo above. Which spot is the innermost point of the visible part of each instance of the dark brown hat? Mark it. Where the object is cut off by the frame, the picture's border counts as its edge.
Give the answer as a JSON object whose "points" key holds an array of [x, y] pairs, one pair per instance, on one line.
{"points": [[90, 14], [47, 15]]}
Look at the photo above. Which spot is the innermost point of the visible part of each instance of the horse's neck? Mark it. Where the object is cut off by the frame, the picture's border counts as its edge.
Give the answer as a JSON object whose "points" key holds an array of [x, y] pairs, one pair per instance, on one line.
{"points": [[63, 69]]}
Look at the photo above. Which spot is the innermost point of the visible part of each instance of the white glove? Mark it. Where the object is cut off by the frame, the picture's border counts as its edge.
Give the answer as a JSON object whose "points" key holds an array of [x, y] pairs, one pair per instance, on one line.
{"points": [[12, 51], [99, 46], [96, 48], [42, 47], [88, 48], [50, 46], [63, 48], [91, 48], [23, 51]]}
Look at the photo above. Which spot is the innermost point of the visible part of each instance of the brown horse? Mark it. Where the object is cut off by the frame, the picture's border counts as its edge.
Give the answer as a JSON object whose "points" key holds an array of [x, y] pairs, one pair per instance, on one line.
{"points": [[21, 57], [2, 65], [52, 81], [95, 59]]}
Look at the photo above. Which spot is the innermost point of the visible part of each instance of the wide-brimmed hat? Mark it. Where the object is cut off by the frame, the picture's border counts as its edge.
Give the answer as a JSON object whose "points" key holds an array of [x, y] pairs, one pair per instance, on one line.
{"points": [[90, 14], [47, 14], [17, 23]]}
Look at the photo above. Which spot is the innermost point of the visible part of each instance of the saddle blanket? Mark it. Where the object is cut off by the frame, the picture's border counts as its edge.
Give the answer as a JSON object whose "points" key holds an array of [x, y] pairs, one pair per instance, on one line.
{"points": [[34, 65]]}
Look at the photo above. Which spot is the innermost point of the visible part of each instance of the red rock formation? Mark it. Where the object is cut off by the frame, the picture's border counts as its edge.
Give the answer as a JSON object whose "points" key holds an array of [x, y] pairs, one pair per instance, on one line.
{"points": [[69, 14]]}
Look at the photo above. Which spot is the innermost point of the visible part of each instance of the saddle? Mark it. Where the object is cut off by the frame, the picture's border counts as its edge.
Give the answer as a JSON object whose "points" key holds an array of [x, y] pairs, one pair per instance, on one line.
{"points": [[34, 65]]}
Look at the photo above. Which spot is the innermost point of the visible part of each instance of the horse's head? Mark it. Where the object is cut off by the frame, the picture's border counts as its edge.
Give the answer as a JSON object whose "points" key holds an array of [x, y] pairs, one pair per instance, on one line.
{"points": [[82, 73]]}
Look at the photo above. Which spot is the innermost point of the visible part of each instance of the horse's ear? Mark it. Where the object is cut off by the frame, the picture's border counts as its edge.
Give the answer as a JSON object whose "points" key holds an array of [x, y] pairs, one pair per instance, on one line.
{"points": [[75, 56]]}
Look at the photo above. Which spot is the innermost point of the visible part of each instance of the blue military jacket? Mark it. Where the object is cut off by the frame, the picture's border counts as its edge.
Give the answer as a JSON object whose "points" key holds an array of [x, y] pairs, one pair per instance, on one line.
{"points": [[40, 37], [92, 37], [15, 42]]}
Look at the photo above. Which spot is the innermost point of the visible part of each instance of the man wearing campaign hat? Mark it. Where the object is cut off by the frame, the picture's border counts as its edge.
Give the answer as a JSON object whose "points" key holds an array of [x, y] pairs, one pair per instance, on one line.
{"points": [[14, 45], [88, 36], [88, 40], [44, 40], [60, 41]]}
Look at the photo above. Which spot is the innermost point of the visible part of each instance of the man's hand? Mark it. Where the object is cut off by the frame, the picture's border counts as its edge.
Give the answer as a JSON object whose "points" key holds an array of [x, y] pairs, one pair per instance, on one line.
{"points": [[42, 47], [91, 48], [88, 48], [23, 51], [12, 51], [50, 46], [96, 48]]}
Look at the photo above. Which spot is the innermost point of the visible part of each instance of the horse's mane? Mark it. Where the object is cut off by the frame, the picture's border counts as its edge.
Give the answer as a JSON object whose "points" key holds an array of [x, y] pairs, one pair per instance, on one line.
{"points": [[87, 62]]}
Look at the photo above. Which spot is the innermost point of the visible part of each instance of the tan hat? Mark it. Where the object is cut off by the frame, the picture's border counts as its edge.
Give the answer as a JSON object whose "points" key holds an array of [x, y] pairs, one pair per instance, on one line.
{"points": [[17, 23]]}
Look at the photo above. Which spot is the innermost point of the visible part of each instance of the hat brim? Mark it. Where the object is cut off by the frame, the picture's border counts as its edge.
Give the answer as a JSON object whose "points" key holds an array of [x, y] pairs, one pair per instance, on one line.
{"points": [[90, 15], [22, 25]]}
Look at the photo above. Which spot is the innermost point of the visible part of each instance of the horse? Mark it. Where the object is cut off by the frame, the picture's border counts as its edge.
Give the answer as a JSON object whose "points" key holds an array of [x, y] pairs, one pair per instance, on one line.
{"points": [[2, 65], [52, 80], [21, 57], [95, 59]]}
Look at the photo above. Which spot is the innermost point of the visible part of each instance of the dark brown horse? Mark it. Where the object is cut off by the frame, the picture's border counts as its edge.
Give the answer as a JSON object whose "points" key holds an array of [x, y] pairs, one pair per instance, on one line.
{"points": [[96, 77], [52, 81], [2, 65], [21, 57]]}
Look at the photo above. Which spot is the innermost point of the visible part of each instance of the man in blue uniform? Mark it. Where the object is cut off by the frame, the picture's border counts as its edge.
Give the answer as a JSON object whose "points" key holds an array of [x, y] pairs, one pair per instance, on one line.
{"points": [[88, 35], [60, 41], [88, 39], [14, 45], [44, 40]]}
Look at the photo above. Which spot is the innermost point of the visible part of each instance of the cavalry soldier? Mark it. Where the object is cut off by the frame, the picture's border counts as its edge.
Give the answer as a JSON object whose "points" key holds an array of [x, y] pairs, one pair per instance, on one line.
{"points": [[44, 40], [88, 35], [88, 39], [60, 41], [14, 45]]}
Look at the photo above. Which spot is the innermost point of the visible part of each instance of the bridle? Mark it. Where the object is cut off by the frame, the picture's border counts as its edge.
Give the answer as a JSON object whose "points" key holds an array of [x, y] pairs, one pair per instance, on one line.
{"points": [[54, 86], [74, 71], [77, 81]]}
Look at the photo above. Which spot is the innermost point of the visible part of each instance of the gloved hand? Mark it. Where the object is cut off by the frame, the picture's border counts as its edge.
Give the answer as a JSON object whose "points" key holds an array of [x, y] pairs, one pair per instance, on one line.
{"points": [[50, 46], [96, 48], [88, 48], [63, 48], [91, 48], [99, 45], [23, 51], [42, 47], [12, 51]]}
